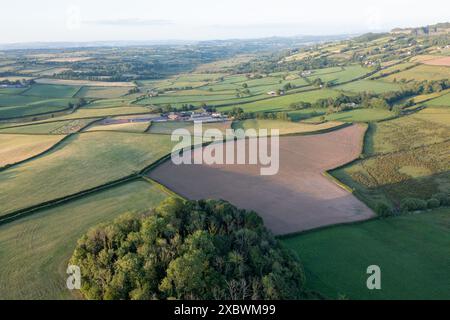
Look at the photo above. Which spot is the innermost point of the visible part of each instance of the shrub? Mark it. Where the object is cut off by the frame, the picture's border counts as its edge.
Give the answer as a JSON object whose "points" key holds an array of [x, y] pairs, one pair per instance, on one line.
{"points": [[443, 198], [412, 204], [383, 210], [433, 203], [187, 250]]}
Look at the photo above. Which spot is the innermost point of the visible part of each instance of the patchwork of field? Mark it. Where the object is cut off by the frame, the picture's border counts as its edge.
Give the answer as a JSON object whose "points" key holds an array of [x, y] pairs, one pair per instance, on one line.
{"points": [[283, 102], [411, 250], [35, 250], [81, 162], [369, 86], [421, 73], [410, 159], [84, 83], [299, 197], [18, 147], [54, 127]]}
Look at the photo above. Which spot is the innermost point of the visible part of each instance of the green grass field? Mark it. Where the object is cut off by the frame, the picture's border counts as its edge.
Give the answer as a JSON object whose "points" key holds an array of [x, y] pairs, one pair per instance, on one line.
{"points": [[51, 91], [18, 147], [369, 86], [57, 127], [83, 161], [441, 101], [34, 251], [411, 250], [357, 115], [102, 92], [283, 102], [422, 72], [284, 127], [121, 127]]}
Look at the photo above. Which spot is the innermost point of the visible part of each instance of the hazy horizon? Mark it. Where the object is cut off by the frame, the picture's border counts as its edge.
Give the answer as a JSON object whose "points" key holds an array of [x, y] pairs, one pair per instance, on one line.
{"points": [[140, 20]]}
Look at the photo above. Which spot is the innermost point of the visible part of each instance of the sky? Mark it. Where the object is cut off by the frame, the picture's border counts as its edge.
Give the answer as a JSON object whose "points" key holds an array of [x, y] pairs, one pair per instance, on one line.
{"points": [[141, 20]]}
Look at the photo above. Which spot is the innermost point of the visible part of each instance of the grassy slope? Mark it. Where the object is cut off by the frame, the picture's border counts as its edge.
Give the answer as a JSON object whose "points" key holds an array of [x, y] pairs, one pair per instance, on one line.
{"points": [[34, 250], [81, 162], [15, 148], [411, 250], [357, 115], [284, 127]]}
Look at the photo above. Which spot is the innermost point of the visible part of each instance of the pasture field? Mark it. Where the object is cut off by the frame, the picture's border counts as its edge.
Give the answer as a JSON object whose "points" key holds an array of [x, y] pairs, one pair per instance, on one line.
{"points": [[173, 99], [169, 127], [12, 91], [414, 173], [35, 250], [420, 73], [303, 114], [284, 127], [82, 83], [393, 68], [283, 102], [373, 86], [104, 112], [442, 101], [34, 108], [356, 115], [108, 103], [123, 127], [299, 197], [81, 162], [102, 92], [51, 91], [349, 73], [18, 147], [56, 127], [411, 250], [422, 128], [7, 100]]}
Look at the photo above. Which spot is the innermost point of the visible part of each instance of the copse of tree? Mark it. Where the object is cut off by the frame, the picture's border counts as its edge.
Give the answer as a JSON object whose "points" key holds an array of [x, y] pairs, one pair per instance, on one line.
{"points": [[187, 250]]}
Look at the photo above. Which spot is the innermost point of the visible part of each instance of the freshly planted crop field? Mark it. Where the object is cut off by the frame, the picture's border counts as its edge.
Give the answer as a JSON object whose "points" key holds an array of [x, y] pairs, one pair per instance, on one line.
{"points": [[284, 127], [83, 161], [102, 92], [357, 115], [370, 86], [51, 91], [283, 102], [411, 250], [18, 147], [297, 198], [422, 72], [439, 61], [35, 250]]}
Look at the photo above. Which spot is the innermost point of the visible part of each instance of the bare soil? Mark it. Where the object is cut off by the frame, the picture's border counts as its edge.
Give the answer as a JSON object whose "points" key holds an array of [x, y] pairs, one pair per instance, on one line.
{"points": [[299, 197]]}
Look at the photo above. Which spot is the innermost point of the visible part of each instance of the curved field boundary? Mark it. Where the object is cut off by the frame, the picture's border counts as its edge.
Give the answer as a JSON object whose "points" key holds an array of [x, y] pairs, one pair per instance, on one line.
{"points": [[52, 203], [52, 148]]}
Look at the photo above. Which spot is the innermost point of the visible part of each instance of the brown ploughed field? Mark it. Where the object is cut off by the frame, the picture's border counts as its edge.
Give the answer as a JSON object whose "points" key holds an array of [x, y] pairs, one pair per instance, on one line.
{"points": [[299, 197]]}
